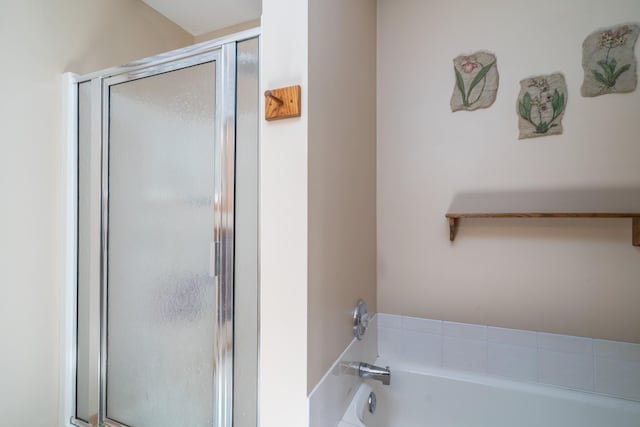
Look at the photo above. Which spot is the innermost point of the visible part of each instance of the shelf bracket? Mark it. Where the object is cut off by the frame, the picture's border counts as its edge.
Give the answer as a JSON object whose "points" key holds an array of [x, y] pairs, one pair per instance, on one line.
{"points": [[453, 228], [636, 231]]}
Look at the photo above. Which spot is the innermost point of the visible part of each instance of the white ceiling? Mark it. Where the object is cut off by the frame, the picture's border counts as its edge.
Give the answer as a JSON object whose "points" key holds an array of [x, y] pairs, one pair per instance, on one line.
{"points": [[201, 16]]}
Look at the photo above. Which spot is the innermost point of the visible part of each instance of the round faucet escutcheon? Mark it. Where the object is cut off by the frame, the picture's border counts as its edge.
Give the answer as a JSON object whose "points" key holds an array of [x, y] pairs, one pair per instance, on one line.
{"points": [[373, 402]]}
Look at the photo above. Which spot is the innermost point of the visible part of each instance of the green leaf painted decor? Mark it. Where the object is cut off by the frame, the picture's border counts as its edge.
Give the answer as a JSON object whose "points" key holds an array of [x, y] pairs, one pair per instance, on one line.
{"points": [[608, 60], [476, 81], [460, 84], [541, 104], [478, 78]]}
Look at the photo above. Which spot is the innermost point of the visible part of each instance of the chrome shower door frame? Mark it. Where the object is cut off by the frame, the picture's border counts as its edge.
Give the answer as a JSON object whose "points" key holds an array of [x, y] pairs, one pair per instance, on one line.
{"points": [[224, 142], [223, 52]]}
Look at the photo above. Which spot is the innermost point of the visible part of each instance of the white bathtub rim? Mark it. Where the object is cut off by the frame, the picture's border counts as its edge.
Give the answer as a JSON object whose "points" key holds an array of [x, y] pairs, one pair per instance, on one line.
{"points": [[550, 390]]}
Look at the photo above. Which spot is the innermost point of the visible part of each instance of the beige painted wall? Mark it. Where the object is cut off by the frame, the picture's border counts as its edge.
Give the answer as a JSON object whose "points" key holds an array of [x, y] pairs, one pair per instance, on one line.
{"points": [[572, 276], [283, 222], [39, 40], [317, 196], [342, 174], [227, 30]]}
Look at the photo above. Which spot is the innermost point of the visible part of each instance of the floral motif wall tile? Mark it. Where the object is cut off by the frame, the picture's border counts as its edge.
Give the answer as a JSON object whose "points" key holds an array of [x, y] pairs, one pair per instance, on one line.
{"points": [[608, 60], [476, 81], [541, 105]]}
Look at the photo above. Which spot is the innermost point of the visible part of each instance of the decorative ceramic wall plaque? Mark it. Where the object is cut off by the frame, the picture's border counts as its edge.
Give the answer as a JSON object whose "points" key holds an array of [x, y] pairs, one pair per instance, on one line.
{"points": [[541, 104], [476, 81], [608, 60]]}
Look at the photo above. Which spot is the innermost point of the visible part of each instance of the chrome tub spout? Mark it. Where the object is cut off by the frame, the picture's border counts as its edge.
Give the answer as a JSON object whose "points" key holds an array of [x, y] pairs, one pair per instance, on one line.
{"points": [[377, 373]]}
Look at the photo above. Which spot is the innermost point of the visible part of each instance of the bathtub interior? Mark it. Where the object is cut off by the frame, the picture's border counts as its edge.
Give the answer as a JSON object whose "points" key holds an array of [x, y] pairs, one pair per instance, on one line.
{"points": [[355, 416], [450, 399]]}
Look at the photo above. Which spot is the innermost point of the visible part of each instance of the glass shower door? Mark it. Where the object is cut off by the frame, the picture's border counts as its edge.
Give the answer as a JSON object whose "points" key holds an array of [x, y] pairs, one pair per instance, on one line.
{"points": [[160, 298], [158, 145]]}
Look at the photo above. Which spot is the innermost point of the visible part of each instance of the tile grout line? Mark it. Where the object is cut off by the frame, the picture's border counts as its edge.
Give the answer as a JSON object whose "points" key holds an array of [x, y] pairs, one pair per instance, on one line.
{"points": [[593, 366], [538, 364], [442, 343], [486, 343]]}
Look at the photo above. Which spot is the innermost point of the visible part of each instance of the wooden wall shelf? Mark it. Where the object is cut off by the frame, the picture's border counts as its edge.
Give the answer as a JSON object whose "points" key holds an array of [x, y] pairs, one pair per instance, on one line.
{"points": [[548, 204]]}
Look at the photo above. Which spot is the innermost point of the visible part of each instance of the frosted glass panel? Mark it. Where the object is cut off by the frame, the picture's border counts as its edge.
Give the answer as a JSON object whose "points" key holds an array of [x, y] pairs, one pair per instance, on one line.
{"points": [[161, 299], [245, 355], [86, 402]]}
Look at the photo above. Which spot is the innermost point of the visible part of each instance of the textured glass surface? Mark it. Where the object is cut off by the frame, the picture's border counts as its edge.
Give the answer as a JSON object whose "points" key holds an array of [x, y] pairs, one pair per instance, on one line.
{"points": [[246, 238], [83, 390], [161, 299]]}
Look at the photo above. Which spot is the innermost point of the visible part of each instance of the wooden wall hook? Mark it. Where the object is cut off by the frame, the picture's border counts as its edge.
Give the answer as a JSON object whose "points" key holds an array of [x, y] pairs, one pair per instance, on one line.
{"points": [[270, 94], [282, 103]]}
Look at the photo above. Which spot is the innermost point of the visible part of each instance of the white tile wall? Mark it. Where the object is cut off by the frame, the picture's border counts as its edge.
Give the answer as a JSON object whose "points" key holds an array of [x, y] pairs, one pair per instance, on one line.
{"points": [[512, 353], [464, 354], [393, 342], [390, 321], [617, 378], [617, 350], [513, 361], [512, 337], [617, 368], [565, 343], [605, 367], [566, 369], [425, 326], [464, 330], [421, 349]]}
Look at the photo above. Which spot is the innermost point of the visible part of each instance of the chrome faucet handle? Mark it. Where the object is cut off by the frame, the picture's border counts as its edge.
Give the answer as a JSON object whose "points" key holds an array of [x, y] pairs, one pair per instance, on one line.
{"points": [[360, 319]]}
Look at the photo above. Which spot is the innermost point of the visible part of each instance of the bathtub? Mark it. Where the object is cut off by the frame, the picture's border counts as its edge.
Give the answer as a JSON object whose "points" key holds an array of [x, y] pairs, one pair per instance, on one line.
{"points": [[441, 398]]}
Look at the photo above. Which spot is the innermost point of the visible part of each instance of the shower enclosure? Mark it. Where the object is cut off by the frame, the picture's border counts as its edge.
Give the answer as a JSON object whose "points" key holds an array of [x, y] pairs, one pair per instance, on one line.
{"points": [[162, 295]]}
